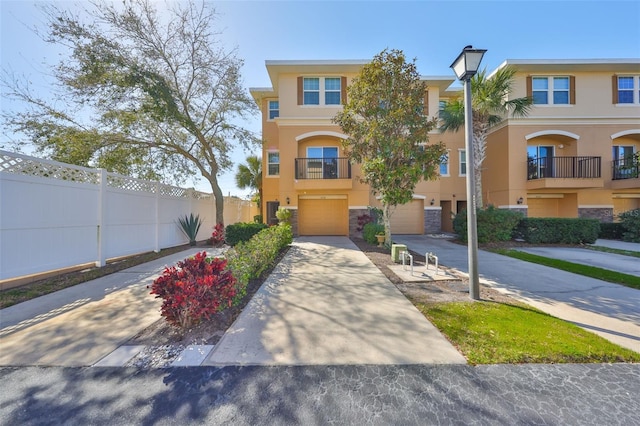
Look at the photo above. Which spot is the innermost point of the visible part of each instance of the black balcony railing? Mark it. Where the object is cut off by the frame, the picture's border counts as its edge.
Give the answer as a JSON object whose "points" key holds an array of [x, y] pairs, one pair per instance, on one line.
{"points": [[564, 167], [626, 168], [323, 168]]}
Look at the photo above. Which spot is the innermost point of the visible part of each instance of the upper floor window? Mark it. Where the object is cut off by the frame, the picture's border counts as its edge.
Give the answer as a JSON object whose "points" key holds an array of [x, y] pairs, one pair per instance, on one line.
{"points": [[311, 91], [626, 89], [332, 91], [552, 90], [273, 163], [274, 109], [444, 165], [462, 170], [321, 90]]}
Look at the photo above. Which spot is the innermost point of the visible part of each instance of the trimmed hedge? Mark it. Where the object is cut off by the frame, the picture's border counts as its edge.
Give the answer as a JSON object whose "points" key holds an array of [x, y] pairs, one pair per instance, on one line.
{"points": [[250, 259], [493, 224], [630, 222], [611, 231], [558, 230], [240, 232], [369, 232]]}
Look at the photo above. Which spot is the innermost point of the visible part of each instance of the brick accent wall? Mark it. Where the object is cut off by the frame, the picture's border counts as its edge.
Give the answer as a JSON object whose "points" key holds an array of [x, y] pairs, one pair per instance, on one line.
{"points": [[294, 222], [353, 221], [432, 220], [604, 214]]}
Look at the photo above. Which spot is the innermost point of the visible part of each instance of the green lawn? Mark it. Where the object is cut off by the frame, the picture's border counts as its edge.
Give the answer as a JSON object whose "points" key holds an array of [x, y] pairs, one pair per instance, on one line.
{"points": [[495, 333], [576, 268], [614, 251]]}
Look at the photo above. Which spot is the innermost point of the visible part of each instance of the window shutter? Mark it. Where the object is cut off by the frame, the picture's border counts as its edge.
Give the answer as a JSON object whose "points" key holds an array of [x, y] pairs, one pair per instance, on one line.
{"points": [[426, 102], [572, 90], [614, 89], [529, 87], [300, 91], [343, 90]]}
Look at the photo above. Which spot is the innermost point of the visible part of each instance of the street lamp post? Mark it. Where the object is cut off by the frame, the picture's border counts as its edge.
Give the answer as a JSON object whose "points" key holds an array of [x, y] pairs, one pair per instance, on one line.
{"points": [[466, 66]]}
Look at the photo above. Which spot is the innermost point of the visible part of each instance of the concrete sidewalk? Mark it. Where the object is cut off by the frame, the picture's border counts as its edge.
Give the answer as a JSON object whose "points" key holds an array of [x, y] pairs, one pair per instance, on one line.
{"points": [[610, 310], [80, 325], [326, 303]]}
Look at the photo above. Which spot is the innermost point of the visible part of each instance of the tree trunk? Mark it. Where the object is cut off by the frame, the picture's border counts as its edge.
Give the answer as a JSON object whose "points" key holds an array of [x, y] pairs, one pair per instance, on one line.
{"points": [[386, 220], [478, 187], [479, 154], [219, 198]]}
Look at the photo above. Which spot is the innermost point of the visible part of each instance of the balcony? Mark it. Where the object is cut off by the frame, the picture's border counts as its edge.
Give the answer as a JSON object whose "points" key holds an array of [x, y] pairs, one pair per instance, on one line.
{"points": [[564, 172], [625, 173], [323, 173], [626, 168]]}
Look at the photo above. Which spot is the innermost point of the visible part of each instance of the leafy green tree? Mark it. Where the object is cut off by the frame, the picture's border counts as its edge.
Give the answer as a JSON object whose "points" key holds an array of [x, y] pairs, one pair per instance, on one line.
{"points": [[250, 176], [490, 105], [144, 91], [385, 120]]}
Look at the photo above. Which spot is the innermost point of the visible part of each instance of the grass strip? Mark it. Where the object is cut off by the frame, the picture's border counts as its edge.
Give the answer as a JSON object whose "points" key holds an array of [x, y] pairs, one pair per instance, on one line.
{"points": [[614, 251], [497, 333], [49, 285], [576, 268]]}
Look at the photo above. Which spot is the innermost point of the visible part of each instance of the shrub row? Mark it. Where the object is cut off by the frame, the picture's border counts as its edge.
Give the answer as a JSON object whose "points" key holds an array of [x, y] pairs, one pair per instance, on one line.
{"points": [[492, 224], [369, 232], [242, 232], [250, 259], [503, 225], [199, 286], [558, 230]]}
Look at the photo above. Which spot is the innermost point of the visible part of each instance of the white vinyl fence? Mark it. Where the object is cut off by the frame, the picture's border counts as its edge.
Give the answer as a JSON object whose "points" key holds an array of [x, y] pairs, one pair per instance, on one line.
{"points": [[55, 215]]}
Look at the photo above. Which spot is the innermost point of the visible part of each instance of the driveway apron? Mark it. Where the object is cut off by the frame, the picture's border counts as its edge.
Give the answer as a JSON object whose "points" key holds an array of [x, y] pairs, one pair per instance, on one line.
{"points": [[326, 303]]}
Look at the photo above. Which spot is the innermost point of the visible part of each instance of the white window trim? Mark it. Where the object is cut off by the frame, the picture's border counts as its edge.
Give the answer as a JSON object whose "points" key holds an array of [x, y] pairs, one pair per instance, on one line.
{"points": [[551, 90], [269, 175], [269, 110], [460, 151], [322, 92], [635, 90]]}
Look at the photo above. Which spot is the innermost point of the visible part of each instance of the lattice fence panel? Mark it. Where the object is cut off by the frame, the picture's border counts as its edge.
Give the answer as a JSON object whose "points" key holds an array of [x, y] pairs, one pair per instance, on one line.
{"points": [[173, 191], [130, 184], [29, 166]]}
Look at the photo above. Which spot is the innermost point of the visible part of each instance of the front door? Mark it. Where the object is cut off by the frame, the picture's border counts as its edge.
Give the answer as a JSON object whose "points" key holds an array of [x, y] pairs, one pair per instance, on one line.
{"points": [[272, 208]]}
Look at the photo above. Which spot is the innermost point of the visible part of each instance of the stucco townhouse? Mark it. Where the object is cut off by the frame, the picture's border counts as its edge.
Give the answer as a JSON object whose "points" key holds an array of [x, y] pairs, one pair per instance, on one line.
{"points": [[574, 155]]}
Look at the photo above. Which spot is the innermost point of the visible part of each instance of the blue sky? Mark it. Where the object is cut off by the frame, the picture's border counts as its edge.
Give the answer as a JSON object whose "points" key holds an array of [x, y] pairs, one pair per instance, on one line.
{"points": [[433, 32]]}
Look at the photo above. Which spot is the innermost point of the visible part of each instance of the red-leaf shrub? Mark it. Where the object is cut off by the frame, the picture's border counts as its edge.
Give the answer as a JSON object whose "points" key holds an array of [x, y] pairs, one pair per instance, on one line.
{"points": [[217, 237], [194, 290]]}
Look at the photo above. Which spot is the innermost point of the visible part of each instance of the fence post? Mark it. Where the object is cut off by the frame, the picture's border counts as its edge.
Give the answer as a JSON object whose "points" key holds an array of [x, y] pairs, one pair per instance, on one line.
{"points": [[102, 207], [157, 219]]}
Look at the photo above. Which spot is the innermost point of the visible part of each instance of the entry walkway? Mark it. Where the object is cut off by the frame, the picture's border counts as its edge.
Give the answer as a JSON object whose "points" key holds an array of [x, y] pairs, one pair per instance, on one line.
{"points": [[610, 310], [327, 303]]}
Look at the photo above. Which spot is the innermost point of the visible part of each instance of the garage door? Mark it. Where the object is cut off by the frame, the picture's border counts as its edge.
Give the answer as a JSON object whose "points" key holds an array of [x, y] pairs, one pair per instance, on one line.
{"points": [[325, 215], [542, 207], [408, 218]]}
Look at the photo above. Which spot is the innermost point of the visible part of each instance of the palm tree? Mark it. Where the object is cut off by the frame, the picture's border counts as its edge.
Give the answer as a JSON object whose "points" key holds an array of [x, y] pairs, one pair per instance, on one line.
{"points": [[250, 176], [490, 106]]}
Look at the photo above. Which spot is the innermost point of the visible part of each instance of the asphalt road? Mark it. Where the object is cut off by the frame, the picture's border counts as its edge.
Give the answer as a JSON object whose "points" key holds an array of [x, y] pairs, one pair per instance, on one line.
{"points": [[585, 394]]}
